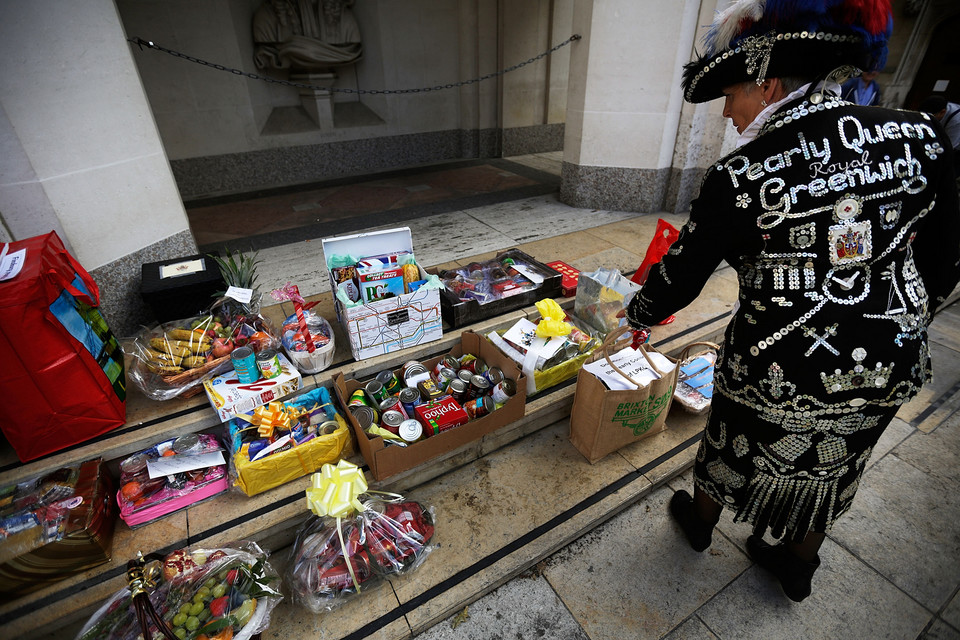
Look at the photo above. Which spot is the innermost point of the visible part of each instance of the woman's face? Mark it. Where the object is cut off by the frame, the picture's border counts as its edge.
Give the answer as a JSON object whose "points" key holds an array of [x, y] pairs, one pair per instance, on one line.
{"points": [[742, 104]]}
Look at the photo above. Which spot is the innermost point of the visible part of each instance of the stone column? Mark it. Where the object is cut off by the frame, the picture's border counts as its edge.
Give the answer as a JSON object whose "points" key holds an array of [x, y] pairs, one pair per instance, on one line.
{"points": [[624, 101], [318, 103], [79, 148]]}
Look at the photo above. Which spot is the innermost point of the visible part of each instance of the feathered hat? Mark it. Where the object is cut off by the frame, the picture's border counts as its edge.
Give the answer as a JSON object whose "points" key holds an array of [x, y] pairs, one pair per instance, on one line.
{"points": [[759, 39]]}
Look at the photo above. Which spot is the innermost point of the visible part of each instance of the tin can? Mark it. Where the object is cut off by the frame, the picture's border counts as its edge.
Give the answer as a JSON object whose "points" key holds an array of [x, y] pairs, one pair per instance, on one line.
{"points": [[358, 398], [328, 427], [446, 362], [245, 364], [390, 420], [465, 375], [269, 363], [444, 377], [366, 416], [494, 375], [376, 391], [390, 382], [459, 391], [479, 407], [409, 398], [407, 365], [466, 361], [479, 385], [503, 391], [429, 390], [415, 373], [392, 403], [410, 430], [188, 444]]}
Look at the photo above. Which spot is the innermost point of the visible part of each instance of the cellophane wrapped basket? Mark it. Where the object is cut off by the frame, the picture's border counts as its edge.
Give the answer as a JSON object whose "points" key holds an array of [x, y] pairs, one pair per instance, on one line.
{"points": [[334, 559], [204, 594]]}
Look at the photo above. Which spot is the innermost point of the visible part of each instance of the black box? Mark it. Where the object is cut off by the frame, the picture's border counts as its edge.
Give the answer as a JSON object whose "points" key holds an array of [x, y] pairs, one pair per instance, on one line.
{"points": [[457, 312], [176, 297]]}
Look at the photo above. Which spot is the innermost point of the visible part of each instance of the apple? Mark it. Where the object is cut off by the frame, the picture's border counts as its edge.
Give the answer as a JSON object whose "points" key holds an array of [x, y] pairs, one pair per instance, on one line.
{"points": [[222, 347]]}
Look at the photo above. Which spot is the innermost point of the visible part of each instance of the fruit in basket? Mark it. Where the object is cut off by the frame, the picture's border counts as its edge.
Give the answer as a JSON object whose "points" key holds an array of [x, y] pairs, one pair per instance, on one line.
{"points": [[222, 347]]}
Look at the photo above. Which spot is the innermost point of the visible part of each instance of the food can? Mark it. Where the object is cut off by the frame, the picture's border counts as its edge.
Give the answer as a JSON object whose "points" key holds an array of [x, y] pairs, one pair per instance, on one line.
{"points": [[503, 391], [187, 444], [390, 420], [328, 427], [479, 385], [466, 361], [393, 403], [413, 374], [409, 398], [444, 376], [410, 430], [459, 391], [358, 398], [407, 365], [245, 364], [366, 416], [465, 375], [376, 391], [494, 375], [479, 407], [390, 381], [429, 390], [269, 363], [446, 362]]}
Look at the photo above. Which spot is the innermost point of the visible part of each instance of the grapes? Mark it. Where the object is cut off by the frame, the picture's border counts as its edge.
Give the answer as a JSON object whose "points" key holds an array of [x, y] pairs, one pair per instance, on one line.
{"points": [[179, 619], [195, 609], [185, 608], [193, 622], [219, 590], [210, 583], [181, 633]]}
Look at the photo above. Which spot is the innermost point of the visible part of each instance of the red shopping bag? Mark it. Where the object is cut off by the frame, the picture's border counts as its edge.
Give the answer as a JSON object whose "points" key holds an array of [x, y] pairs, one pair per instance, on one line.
{"points": [[665, 236], [62, 379]]}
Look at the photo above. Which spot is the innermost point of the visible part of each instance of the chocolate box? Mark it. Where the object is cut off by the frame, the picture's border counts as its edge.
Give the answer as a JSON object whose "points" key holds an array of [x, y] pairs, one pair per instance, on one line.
{"points": [[458, 313], [385, 461], [181, 287]]}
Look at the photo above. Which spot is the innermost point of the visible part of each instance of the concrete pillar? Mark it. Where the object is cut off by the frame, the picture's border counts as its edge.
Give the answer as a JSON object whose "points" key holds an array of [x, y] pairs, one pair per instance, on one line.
{"points": [[79, 150], [624, 102]]}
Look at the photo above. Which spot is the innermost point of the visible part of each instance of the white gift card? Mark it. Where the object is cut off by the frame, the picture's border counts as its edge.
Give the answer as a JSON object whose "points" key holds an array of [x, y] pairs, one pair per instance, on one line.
{"points": [[181, 269], [12, 263], [530, 274], [524, 334], [171, 465], [240, 295]]}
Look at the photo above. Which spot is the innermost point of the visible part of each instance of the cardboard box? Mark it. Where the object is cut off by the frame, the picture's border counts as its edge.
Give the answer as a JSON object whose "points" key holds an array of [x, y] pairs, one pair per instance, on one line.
{"points": [[229, 397], [388, 325], [458, 313], [568, 285], [386, 461]]}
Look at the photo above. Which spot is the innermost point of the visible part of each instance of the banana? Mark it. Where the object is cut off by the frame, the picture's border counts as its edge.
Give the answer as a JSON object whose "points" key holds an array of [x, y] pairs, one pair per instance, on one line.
{"points": [[193, 362], [194, 339], [161, 357], [173, 347], [164, 369]]}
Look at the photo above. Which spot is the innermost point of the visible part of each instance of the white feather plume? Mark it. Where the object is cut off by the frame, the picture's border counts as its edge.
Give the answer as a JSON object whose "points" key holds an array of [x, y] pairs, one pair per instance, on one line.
{"points": [[726, 26]]}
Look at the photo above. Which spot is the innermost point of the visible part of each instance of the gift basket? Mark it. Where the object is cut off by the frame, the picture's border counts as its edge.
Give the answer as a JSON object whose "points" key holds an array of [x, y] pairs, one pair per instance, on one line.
{"points": [[549, 351], [307, 338], [355, 538], [55, 525], [173, 359], [281, 441], [601, 295], [695, 381], [169, 476], [226, 593]]}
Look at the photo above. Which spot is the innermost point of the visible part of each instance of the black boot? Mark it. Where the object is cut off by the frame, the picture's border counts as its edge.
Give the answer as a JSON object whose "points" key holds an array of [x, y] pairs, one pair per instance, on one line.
{"points": [[699, 533], [793, 573]]}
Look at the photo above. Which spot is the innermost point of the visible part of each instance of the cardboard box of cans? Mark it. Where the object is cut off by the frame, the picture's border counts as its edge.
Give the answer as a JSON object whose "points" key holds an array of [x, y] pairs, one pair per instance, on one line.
{"points": [[387, 460], [458, 312]]}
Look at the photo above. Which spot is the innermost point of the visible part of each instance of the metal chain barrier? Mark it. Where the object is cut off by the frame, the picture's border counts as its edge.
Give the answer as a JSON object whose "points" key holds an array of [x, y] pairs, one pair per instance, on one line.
{"points": [[140, 42]]}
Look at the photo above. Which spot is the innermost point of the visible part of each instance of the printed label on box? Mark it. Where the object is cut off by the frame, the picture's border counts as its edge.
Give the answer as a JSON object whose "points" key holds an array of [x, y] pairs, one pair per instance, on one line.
{"points": [[229, 396]]}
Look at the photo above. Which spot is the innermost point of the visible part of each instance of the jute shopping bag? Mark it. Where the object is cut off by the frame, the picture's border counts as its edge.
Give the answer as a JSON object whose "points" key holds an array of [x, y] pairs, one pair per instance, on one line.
{"points": [[604, 420]]}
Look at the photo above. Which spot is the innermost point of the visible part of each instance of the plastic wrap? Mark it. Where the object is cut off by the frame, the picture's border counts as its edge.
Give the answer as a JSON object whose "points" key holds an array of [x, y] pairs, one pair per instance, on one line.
{"points": [[694, 390], [494, 279], [142, 499], [600, 296], [295, 343], [200, 594], [174, 358], [333, 559], [33, 511], [317, 434]]}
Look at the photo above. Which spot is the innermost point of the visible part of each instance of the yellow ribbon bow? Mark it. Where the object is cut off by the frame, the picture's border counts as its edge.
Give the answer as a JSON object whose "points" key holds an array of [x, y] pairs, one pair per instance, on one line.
{"points": [[272, 416], [551, 319], [334, 490]]}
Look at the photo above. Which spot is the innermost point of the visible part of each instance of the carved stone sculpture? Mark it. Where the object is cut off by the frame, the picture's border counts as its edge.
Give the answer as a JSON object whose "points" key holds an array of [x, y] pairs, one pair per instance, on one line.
{"points": [[305, 35]]}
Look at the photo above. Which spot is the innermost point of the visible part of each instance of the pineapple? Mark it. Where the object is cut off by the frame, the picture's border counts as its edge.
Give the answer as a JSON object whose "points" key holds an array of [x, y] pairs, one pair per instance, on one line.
{"points": [[239, 270]]}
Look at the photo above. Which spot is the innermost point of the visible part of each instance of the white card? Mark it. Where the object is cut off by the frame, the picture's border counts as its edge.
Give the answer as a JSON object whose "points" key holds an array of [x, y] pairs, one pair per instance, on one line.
{"points": [[170, 465], [530, 274], [181, 269], [240, 295], [11, 264]]}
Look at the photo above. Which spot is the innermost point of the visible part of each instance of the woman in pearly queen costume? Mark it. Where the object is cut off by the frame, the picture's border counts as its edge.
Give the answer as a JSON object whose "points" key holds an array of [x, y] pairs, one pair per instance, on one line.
{"points": [[843, 225]]}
